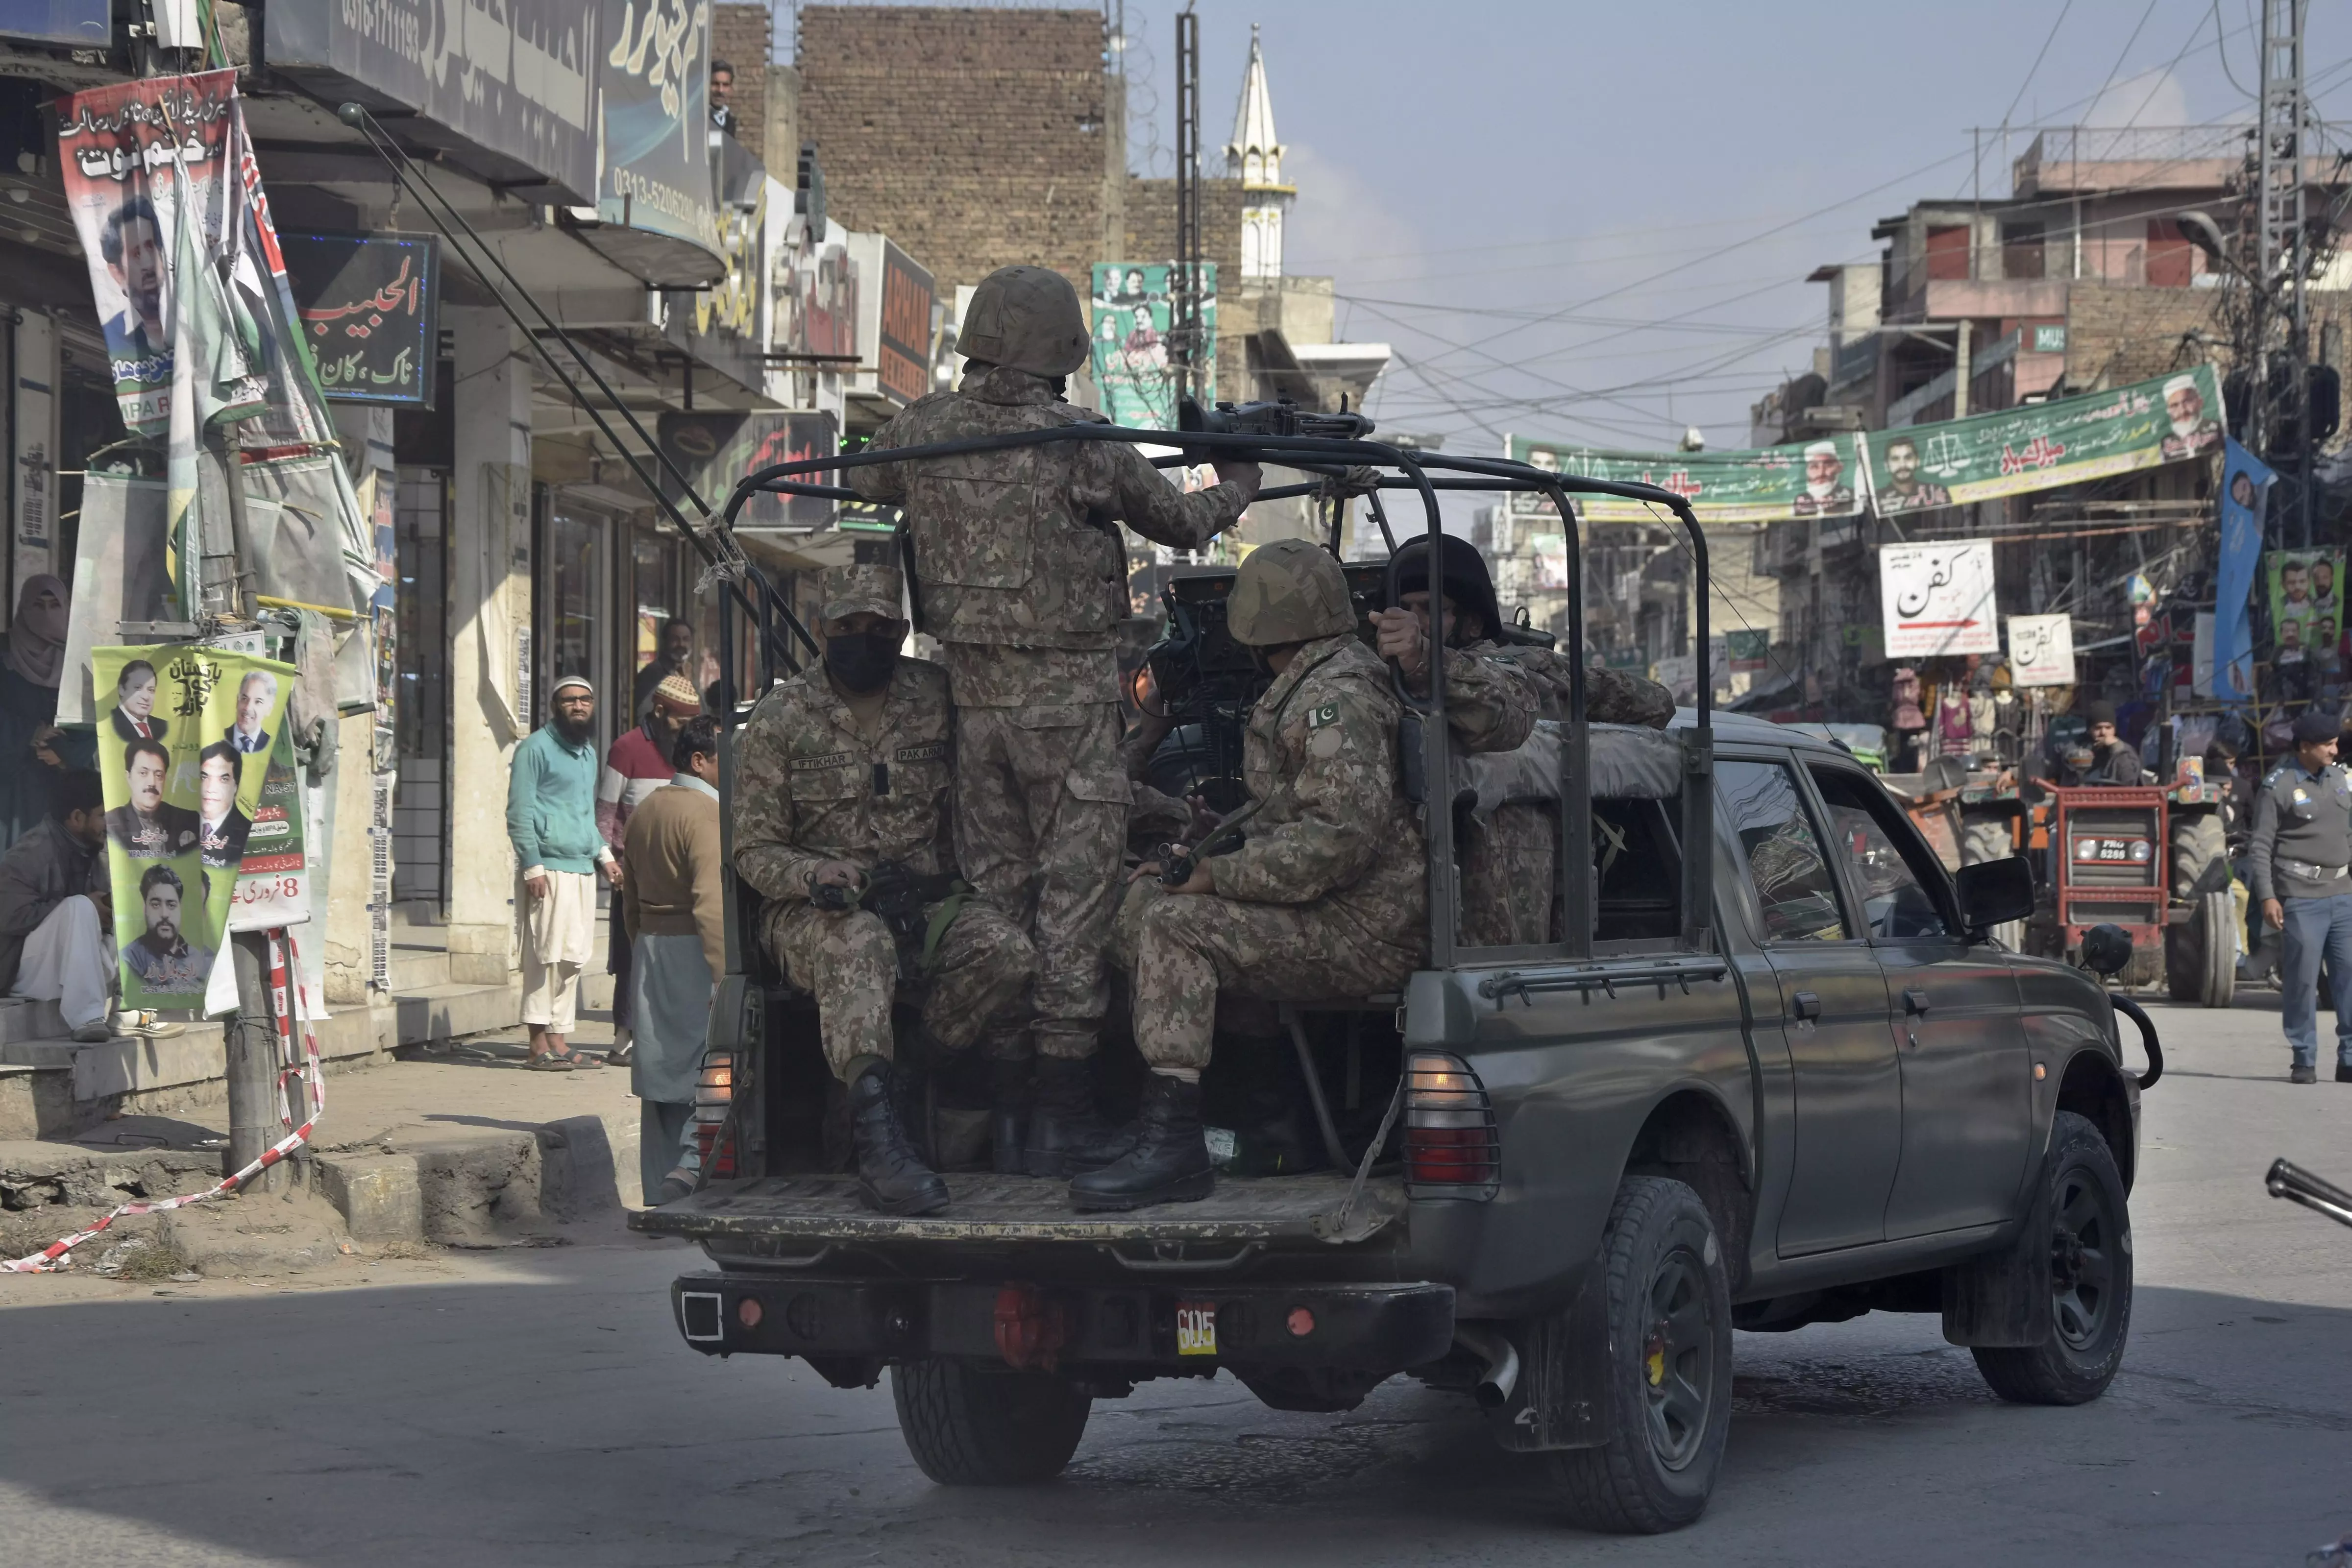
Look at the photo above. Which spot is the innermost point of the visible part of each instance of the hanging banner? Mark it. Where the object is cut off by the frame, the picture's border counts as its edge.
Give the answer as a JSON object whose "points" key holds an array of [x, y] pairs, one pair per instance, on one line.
{"points": [[1812, 479], [1133, 309], [2307, 587], [2245, 495], [369, 305], [2043, 445], [1937, 599], [656, 121], [185, 741], [2042, 650], [273, 881], [1746, 651]]}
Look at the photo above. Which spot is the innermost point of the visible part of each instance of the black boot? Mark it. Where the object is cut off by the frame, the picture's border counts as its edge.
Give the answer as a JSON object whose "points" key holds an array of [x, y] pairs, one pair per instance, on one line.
{"points": [[1169, 1162], [891, 1176], [1067, 1134], [1008, 1112]]}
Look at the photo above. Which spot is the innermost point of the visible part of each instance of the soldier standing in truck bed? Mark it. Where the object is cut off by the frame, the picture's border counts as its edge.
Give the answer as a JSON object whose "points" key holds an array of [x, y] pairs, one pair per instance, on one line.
{"points": [[2297, 862], [842, 773], [1022, 578]]}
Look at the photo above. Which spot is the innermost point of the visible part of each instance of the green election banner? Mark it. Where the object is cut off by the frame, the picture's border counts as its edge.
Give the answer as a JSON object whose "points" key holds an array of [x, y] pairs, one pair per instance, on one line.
{"points": [[1133, 309], [186, 736], [2043, 445], [1807, 479]]}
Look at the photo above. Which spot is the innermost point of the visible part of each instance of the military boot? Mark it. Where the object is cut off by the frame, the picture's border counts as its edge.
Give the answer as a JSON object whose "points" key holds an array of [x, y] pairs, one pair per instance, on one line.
{"points": [[1169, 1162], [891, 1176], [1067, 1134], [1008, 1114]]}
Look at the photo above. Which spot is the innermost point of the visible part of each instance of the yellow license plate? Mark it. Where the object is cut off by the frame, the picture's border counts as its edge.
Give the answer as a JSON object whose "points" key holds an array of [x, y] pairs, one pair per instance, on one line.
{"points": [[1196, 1328]]}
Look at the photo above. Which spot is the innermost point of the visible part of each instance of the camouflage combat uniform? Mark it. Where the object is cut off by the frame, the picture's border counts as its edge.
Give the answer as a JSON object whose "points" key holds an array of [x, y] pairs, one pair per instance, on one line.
{"points": [[810, 788], [1326, 899], [1510, 866], [1023, 581]]}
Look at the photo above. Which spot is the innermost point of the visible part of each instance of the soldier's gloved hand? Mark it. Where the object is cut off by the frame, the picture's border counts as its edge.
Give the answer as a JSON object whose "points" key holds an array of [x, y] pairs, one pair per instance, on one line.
{"points": [[1240, 471], [1398, 634], [839, 874]]}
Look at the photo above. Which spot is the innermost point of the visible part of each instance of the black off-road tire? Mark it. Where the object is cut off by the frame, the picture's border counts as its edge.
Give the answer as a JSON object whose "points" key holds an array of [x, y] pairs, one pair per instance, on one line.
{"points": [[1668, 1303], [2090, 1280], [969, 1426]]}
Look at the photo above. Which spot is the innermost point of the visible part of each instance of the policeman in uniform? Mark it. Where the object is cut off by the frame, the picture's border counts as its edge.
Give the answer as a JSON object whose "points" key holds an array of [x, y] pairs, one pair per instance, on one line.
{"points": [[841, 795], [2296, 859], [1022, 578], [1324, 900]]}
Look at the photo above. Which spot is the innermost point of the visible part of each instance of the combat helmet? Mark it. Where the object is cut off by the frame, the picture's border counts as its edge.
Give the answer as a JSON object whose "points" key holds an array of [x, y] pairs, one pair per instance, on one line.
{"points": [[1289, 591], [1027, 317]]}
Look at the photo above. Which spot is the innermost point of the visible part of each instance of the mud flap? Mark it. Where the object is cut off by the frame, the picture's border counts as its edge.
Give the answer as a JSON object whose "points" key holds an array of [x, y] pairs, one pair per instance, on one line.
{"points": [[1561, 1398], [2002, 1297]]}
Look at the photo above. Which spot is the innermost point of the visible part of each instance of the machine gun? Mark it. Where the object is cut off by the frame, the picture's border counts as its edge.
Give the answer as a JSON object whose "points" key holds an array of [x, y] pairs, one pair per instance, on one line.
{"points": [[1283, 418]]}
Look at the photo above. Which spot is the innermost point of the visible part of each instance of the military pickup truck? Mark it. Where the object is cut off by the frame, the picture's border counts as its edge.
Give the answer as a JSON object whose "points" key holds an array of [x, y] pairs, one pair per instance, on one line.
{"points": [[1774, 1074]]}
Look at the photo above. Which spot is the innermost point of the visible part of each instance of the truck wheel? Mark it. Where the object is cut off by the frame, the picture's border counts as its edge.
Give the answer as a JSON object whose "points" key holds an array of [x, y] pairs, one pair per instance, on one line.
{"points": [[2090, 1279], [2185, 979], [2217, 917], [1669, 1366], [969, 1426]]}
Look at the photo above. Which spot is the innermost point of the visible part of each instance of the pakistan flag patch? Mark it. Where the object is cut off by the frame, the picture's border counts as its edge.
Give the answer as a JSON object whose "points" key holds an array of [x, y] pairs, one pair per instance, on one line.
{"points": [[1327, 714]]}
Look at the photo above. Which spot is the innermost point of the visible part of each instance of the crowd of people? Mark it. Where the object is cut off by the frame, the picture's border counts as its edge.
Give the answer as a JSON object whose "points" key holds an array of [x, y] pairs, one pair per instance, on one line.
{"points": [[955, 835]]}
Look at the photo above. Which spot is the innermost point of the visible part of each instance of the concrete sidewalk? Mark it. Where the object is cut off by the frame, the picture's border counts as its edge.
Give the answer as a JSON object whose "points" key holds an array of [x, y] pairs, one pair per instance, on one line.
{"points": [[448, 1143]]}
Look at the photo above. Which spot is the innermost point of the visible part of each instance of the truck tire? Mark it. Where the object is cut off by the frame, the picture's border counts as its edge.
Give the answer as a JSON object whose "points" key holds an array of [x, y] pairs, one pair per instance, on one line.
{"points": [[970, 1425], [2217, 918], [1667, 1296], [2184, 960], [2090, 1280]]}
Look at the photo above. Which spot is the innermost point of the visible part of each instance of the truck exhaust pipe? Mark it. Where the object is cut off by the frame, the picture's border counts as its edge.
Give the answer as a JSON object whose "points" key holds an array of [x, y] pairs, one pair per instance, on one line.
{"points": [[1501, 1359]]}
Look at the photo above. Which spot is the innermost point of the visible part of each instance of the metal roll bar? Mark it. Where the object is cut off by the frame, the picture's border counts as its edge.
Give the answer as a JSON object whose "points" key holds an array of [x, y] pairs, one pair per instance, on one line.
{"points": [[1413, 472]]}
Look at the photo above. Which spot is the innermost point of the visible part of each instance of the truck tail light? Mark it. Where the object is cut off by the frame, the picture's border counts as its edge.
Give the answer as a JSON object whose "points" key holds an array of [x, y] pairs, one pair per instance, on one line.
{"points": [[1451, 1148]]}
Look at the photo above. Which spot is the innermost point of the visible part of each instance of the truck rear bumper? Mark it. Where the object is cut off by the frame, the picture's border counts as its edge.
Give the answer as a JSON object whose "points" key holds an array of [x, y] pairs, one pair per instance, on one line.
{"points": [[1367, 1328]]}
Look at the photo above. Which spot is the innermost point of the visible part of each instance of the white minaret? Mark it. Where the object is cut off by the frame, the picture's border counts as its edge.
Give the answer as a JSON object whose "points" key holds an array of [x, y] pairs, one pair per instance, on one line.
{"points": [[1254, 157]]}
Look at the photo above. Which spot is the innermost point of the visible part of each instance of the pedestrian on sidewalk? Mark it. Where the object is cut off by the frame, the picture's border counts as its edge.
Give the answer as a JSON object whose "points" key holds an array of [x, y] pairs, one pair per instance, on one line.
{"points": [[673, 906], [637, 764], [2300, 858], [56, 943], [552, 821]]}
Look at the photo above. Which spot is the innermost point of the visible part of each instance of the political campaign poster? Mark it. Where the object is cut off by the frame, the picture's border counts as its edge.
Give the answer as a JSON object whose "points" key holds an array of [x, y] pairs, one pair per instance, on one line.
{"points": [[2042, 650], [1820, 478], [2043, 445], [1937, 599], [1133, 309], [1747, 652], [2307, 587], [185, 737]]}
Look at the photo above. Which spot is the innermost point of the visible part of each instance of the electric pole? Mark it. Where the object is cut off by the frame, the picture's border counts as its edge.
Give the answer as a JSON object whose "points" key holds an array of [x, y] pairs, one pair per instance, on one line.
{"points": [[2279, 374], [1184, 290]]}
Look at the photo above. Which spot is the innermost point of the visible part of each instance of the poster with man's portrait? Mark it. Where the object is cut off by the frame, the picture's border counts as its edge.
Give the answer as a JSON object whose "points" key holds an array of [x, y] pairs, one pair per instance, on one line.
{"points": [[185, 742], [2307, 606]]}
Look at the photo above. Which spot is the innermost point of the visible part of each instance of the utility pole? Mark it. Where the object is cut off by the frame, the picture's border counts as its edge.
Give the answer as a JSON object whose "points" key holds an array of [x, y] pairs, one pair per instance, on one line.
{"points": [[2281, 257], [1184, 330]]}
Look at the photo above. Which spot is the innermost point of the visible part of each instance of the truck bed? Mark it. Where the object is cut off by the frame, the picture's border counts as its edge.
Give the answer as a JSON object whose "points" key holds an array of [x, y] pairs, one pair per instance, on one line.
{"points": [[988, 1207]]}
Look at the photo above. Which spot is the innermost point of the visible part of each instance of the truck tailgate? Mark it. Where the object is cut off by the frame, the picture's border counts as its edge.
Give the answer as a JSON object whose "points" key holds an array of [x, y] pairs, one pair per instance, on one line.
{"points": [[987, 1208]]}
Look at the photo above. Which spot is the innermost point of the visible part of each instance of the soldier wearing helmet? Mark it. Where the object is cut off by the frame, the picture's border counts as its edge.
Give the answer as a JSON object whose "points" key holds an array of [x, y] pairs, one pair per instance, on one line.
{"points": [[1022, 575], [1323, 898], [841, 821]]}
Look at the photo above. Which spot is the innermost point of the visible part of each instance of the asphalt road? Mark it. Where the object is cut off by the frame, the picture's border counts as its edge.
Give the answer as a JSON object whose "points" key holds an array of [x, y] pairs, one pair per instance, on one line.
{"points": [[537, 1407]]}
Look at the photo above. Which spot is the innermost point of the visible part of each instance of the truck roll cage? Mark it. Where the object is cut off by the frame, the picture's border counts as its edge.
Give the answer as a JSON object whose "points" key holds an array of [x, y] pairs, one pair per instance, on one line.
{"points": [[1394, 469]]}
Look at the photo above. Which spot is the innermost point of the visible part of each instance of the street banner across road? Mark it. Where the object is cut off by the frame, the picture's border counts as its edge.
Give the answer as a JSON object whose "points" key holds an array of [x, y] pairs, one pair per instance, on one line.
{"points": [[1810, 479], [1939, 599], [2043, 445], [185, 737]]}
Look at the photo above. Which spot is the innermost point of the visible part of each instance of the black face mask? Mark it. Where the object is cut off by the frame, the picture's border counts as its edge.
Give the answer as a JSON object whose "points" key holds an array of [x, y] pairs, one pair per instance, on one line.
{"points": [[862, 662]]}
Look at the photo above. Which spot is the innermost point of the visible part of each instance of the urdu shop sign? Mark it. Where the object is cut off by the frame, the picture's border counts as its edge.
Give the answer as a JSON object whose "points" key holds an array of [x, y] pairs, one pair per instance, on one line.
{"points": [[370, 312]]}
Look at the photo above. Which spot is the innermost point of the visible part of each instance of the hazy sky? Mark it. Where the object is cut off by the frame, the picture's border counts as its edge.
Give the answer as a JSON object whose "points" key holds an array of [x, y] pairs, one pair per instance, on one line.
{"points": [[1658, 178]]}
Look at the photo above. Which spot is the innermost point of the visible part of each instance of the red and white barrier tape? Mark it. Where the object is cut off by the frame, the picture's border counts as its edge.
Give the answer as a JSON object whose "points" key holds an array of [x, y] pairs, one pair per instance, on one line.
{"points": [[285, 1006]]}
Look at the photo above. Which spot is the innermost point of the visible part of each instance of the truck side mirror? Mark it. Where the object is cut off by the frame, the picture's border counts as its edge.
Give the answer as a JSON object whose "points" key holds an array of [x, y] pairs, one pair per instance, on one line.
{"points": [[1993, 892]]}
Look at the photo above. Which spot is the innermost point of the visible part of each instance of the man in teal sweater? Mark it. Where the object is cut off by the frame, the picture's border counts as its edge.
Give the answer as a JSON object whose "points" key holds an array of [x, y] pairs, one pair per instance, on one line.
{"points": [[551, 819]]}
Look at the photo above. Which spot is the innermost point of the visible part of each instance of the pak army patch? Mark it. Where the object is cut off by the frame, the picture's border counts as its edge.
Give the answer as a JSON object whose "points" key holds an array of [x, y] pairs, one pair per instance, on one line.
{"points": [[1327, 714]]}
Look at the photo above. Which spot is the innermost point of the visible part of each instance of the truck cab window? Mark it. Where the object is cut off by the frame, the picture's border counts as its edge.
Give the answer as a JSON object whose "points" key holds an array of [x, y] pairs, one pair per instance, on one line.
{"points": [[1888, 860], [1794, 890]]}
